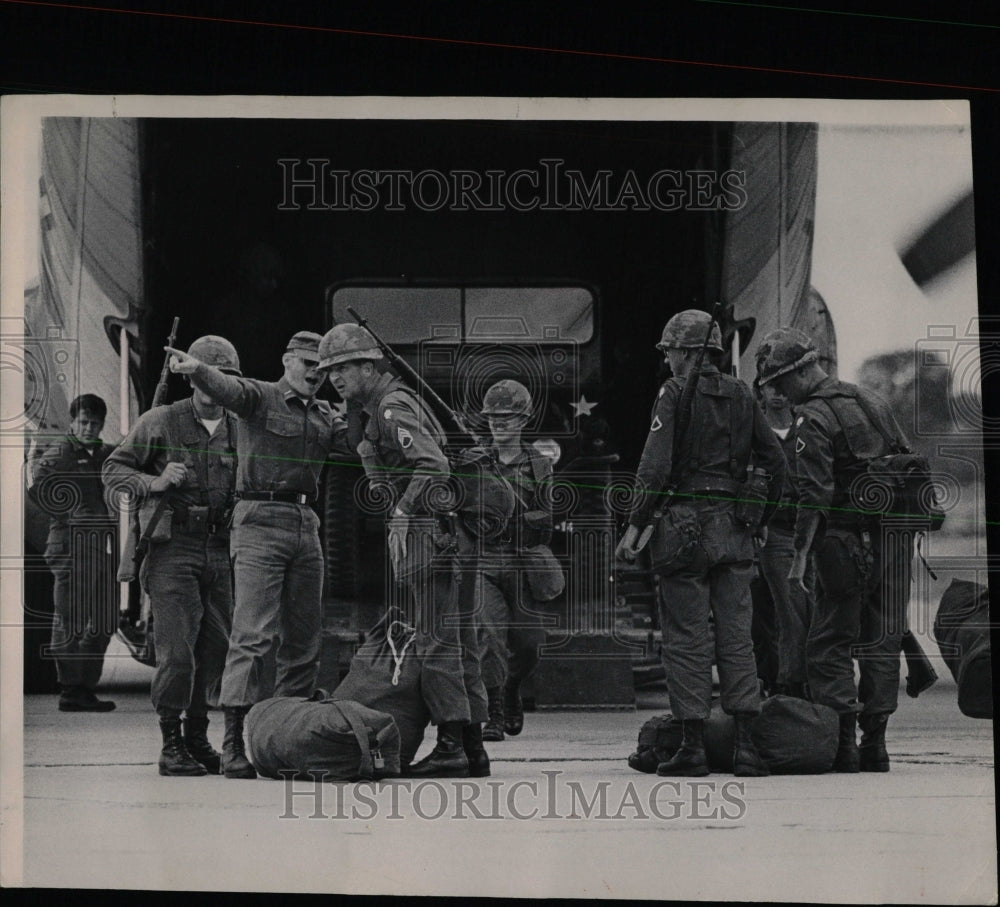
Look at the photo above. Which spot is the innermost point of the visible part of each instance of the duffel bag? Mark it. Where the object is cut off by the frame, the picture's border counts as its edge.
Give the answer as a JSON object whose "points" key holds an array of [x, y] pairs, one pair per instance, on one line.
{"points": [[962, 631], [319, 738], [659, 739]]}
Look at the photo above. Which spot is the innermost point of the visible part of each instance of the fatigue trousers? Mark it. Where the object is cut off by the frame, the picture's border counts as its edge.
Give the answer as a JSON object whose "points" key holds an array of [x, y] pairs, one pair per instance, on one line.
{"points": [[862, 592], [84, 609], [713, 579], [509, 632], [278, 574], [189, 581], [792, 605], [442, 586]]}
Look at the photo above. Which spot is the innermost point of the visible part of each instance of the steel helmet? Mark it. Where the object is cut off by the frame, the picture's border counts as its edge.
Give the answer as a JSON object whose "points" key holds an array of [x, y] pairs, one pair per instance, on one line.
{"points": [[217, 351], [507, 398], [686, 331], [346, 343], [783, 351]]}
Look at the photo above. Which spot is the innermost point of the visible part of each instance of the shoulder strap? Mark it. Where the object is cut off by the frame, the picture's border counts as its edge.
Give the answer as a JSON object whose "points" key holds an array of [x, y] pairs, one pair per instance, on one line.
{"points": [[179, 413], [893, 443]]}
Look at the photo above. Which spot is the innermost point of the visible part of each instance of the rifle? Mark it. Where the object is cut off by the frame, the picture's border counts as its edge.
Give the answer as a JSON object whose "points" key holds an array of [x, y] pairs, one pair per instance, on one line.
{"points": [[423, 388], [142, 546], [681, 424]]}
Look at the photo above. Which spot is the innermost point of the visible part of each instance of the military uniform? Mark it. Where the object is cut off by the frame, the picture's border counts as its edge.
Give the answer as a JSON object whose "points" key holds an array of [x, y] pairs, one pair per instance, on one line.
{"points": [[283, 441], [81, 553], [188, 577], [510, 635], [713, 577], [791, 605], [402, 449], [863, 567]]}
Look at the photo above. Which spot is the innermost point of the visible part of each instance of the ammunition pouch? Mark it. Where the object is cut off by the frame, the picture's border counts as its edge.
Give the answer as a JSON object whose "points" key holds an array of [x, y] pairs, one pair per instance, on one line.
{"points": [[164, 525], [675, 540], [898, 489], [752, 499], [544, 574]]}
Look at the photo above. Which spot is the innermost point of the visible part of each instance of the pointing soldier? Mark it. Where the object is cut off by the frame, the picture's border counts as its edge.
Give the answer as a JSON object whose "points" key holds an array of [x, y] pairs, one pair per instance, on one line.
{"points": [[283, 439], [702, 545], [402, 451], [862, 570], [186, 449]]}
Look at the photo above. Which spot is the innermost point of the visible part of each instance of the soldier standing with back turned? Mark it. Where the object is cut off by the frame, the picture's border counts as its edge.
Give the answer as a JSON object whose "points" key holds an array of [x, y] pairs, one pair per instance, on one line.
{"points": [[862, 566], [703, 551]]}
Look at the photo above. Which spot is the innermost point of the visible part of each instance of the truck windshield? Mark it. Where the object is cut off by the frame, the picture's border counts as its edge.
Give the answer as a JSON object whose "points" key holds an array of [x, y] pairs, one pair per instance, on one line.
{"points": [[453, 314]]}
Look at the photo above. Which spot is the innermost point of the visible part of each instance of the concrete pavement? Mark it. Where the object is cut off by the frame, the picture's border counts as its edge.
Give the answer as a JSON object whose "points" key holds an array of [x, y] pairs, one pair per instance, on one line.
{"points": [[561, 816]]}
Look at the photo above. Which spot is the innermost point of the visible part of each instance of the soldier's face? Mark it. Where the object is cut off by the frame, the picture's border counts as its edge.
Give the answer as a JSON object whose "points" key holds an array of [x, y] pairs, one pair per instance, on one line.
{"points": [[301, 374], [87, 426], [792, 386], [349, 379], [506, 427], [774, 399]]}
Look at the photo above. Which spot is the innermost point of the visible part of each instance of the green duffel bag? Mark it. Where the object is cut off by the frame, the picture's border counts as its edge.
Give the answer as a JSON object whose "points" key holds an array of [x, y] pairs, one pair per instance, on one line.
{"points": [[322, 739]]}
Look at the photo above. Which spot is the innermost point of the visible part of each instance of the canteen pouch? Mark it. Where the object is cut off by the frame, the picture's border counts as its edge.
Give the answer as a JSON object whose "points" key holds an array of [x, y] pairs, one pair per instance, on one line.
{"points": [[751, 499], [675, 539]]}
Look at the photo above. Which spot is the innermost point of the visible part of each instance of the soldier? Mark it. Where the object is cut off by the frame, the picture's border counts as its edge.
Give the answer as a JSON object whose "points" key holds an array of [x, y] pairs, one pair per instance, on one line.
{"points": [[704, 549], [67, 486], [790, 603], [284, 436], [509, 632], [188, 451], [862, 569], [402, 452]]}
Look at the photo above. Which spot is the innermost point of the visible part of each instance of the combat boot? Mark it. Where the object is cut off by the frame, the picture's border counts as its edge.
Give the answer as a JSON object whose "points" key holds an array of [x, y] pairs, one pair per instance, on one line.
{"points": [[690, 760], [872, 751], [234, 758], [493, 729], [174, 757], [196, 741], [747, 762], [447, 759], [848, 759], [472, 742], [513, 708]]}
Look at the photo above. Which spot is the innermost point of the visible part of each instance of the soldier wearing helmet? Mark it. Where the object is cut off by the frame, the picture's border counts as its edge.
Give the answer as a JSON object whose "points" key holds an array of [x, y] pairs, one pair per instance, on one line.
{"points": [[862, 565], [285, 435], [703, 547], [510, 635], [401, 449], [186, 450]]}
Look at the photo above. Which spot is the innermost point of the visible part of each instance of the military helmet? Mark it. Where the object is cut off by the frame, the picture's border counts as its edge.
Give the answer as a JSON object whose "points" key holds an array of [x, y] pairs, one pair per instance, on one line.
{"points": [[346, 343], [782, 351], [217, 351], [507, 398], [686, 331]]}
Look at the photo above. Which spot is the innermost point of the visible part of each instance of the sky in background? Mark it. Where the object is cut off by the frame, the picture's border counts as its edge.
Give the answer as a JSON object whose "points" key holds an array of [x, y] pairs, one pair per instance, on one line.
{"points": [[876, 188]]}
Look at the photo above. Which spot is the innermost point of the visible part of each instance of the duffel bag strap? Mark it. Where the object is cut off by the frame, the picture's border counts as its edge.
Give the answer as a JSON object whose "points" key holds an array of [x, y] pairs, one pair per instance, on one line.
{"points": [[367, 768]]}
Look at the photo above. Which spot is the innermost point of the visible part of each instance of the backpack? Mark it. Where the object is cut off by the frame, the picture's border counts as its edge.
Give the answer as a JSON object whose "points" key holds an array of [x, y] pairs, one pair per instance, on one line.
{"points": [[320, 739]]}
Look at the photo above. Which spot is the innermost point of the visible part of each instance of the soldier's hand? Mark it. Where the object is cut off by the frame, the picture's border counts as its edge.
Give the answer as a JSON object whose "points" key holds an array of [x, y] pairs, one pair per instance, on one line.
{"points": [[761, 536], [172, 475], [627, 549], [399, 523], [797, 572], [181, 363]]}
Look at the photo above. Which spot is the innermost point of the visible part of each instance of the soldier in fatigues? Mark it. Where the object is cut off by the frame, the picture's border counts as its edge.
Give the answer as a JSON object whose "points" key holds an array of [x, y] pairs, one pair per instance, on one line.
{"points": [[705, 547], [284, 437], [862, 566], [186, 450], [402, 451], [67, 486], [508, 623]]}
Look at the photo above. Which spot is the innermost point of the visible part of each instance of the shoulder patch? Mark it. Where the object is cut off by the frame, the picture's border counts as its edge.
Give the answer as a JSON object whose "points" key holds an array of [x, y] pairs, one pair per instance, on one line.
{"points": [[663, 390], [387, 414], [404, 437], [800, 445], [657, 424]]}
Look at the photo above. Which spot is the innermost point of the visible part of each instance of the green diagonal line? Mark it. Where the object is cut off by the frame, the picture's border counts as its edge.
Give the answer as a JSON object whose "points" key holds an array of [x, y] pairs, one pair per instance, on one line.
{"points": [[841, 12], [555, 481]]}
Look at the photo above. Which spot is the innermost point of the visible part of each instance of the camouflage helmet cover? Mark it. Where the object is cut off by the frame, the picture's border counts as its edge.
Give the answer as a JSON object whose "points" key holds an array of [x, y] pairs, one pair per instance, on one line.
{"points": [[214, 350], [507, 398], [782, 351], [346, 343], [686, 331]]}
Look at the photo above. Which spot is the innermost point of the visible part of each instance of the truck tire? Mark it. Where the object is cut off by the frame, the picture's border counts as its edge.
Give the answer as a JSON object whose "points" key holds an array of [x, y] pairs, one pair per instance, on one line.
{"points": [[342, 529]]}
